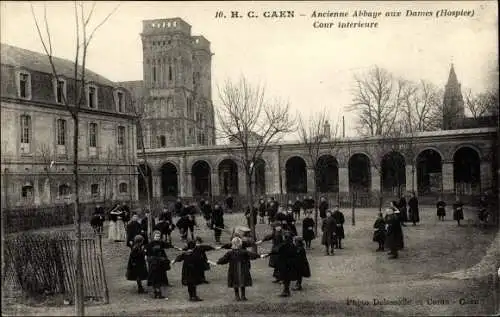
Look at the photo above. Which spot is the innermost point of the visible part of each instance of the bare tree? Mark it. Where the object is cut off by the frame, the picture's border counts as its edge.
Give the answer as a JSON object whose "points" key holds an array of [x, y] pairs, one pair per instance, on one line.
{"points": [[84, 34], [139, 104], [251, 120], [317, 136], [376, 99], [48, 160], [421, 108], [482, 104]]}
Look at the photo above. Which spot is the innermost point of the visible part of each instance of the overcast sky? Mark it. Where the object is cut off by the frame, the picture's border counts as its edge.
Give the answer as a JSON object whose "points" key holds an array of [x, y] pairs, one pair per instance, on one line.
{"points": [[313, 68]]}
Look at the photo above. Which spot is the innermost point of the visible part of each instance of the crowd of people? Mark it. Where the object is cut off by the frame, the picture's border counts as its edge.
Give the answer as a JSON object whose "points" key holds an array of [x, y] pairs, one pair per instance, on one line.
{"points": [[148, 260]]}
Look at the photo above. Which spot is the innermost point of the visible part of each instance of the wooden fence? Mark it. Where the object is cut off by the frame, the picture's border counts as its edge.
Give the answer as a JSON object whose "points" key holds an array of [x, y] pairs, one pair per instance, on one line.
{"points": [[63, 267]]}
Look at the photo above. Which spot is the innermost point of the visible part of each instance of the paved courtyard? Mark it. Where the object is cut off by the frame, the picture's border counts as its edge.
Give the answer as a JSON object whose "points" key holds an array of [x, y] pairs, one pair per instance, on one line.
{"points": [[356, 281]]}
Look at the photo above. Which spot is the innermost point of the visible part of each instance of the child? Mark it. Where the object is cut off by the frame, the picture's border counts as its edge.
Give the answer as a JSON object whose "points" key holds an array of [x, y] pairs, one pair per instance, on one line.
{"points": [[441, 209], [158, 264], [458, 212], [379, 234], [238, 274], [136, 268], [308, 230], [193, 269], [303, 269]]}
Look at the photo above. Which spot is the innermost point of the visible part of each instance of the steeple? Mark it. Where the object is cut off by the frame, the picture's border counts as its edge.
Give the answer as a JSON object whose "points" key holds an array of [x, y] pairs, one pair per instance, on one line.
{"points": [[453, 102]]}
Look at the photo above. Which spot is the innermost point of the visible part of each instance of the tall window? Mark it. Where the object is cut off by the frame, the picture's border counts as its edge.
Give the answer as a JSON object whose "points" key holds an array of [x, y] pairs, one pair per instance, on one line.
{"points": [[27, 191], [61, 132], [169, 72], [25, 129], [64, 190], [154, 73], [189, 107], [161, 140], [121, 103], [60, 91], [121, 136], [93, 135], [24, 85], [122, 188], [94, 189], [92, 97]]}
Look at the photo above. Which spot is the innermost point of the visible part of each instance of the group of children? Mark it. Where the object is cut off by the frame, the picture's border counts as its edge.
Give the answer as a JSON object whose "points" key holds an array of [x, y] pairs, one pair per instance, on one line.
{"points": [[150, 262]]}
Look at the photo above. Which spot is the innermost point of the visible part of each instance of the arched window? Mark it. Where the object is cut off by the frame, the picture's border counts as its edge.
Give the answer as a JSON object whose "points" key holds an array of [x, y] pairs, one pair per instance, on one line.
{"points": [[27, 191]]}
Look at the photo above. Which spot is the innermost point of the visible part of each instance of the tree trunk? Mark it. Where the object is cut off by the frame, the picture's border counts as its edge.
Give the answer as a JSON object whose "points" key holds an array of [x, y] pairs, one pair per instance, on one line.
{"points": [[79, 295], [250, 205], [146, 177]]}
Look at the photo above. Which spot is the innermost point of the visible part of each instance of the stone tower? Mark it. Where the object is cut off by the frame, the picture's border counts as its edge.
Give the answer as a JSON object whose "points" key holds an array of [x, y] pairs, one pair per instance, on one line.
{"points": [[177, 83], [453, 103]]}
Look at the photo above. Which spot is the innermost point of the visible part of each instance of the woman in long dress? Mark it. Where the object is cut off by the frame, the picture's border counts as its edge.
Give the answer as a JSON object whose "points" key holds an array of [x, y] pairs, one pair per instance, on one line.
{"points": [[113, 218], [121, 233]]}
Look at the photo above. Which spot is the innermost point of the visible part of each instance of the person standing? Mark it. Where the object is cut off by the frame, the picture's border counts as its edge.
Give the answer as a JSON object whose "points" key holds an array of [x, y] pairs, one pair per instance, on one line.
{"points": [[394, 232], [229, 204], [193, 270], [290, 223], [403, 208], [97, 220], [308, 230], [303, 268], [297, 205], [414, 213], [262, 210], [441, 209], [379, 234], [144, 225], [287, 256], [277, 238], [329, 228], [217, 222], [113, 223], [249, 214], [458, 211], [323, 207], [133, 229], [207, 212], [339, 230], [238, 273], [159, 264], [178, 208], [136, 267]]}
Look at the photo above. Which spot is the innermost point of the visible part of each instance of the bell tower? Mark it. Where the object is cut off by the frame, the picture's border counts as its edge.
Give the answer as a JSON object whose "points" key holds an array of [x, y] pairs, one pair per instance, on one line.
{"points": [[453, 103]]}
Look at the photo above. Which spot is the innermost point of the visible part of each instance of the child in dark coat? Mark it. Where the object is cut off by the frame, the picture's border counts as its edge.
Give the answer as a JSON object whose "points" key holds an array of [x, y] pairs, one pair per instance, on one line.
{"points": [[193, 270], [159, 264], [379, 234], [308, 230], [238, 274], [136, 268], [303, 269]]}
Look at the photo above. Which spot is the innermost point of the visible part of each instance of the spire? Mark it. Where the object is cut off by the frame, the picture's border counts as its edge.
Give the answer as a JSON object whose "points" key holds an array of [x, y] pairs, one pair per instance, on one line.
{"points": [[452, 78], [453, 102]]}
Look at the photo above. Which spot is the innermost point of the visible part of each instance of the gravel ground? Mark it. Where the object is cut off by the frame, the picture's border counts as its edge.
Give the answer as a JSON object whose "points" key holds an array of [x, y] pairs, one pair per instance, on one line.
{"points": [[345, 284]]}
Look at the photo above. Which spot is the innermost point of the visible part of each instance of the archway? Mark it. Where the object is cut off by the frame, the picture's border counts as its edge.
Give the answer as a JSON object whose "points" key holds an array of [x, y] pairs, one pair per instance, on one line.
{"points": [[260, 177], [359, 173], [296, 175], [169, 180], [228, 177], [327, 174], [393, 178], [200, 173], [467, 171], [144, 172], [429, 172]]}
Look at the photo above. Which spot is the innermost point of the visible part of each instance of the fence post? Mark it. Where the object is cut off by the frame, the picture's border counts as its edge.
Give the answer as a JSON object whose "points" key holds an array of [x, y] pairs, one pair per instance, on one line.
{"points": [[101, 263]]}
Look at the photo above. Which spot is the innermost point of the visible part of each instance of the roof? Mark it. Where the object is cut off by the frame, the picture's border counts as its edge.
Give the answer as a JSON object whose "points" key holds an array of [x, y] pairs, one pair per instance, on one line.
{"points": [[135, 87], [19, 57]]}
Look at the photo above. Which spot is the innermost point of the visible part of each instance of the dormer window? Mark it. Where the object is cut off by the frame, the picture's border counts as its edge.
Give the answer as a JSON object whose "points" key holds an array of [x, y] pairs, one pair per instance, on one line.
{"points": [[92, 96], [24, 85], [60, 91], [120, 101]]}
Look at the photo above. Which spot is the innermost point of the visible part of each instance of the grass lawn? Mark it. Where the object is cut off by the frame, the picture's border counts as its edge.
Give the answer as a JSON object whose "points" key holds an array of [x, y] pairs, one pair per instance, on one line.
{"points": [[349, 283]]}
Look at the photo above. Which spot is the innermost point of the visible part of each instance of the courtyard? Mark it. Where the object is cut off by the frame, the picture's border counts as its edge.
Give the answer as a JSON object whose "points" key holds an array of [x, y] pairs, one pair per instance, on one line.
{"points": [[355, 281]]}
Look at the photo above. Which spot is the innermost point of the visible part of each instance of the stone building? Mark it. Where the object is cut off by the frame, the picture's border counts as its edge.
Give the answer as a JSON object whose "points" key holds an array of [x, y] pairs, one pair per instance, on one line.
{"points": [[37, 138], [176, 91]]}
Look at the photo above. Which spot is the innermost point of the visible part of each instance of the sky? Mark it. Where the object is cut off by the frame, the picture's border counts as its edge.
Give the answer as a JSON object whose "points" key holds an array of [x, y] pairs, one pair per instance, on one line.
{"points": [[312, 68]]}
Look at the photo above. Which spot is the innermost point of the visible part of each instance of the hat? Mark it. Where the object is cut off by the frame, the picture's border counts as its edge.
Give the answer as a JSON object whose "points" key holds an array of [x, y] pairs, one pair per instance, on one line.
{"points": [[138, 238]]}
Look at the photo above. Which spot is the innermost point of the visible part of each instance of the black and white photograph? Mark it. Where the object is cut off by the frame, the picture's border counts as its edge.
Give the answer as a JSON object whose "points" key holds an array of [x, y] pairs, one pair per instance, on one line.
{"points": [[250, 158]]}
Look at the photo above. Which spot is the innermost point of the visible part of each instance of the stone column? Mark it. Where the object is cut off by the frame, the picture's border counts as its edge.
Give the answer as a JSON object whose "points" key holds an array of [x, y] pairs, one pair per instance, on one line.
{"points": [[242, 178], [214, 180], [274, 174], [486, 176], [188, 181], [447, 177], [156, 186], [411, 178], [36, 192], [181, 174], [375, 175], [343, 180], [283, 180], [311, 182]]}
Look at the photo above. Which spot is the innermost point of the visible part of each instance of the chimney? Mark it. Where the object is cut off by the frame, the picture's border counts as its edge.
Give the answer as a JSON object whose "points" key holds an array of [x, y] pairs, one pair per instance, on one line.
{"points": [[326, 129]]}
